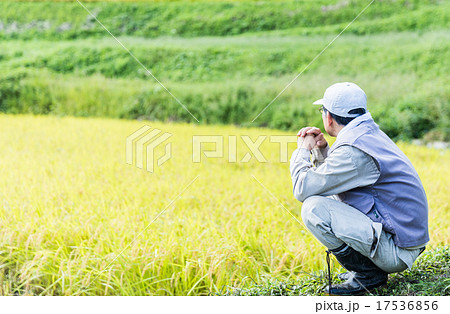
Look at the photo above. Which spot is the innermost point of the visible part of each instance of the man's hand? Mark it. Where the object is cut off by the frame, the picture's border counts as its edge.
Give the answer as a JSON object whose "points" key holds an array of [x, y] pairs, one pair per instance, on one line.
{"points": [[316, 133], [307, 142]]}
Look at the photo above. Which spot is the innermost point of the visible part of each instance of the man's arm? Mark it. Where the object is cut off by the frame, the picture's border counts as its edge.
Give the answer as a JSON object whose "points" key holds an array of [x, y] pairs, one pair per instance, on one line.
{"points": [[345, 169]]}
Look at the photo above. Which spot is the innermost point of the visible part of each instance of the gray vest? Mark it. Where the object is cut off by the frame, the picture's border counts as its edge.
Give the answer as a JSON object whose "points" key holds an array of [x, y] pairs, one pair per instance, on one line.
{"points": [[397, 199]]}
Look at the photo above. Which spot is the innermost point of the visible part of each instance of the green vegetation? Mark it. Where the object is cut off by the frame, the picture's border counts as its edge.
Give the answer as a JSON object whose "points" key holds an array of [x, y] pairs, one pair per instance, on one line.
{"points": [[222, 80], [73, 67], [69, 20], [227, 60], [430, 275]]}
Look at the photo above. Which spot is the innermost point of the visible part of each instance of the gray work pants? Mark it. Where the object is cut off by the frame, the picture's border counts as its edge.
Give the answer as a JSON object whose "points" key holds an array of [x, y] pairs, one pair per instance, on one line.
{"points": [[334, 223]]}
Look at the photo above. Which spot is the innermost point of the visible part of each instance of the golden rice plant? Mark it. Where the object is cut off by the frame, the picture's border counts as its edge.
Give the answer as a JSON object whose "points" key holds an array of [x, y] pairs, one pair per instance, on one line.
{"points": [[70, 204]]}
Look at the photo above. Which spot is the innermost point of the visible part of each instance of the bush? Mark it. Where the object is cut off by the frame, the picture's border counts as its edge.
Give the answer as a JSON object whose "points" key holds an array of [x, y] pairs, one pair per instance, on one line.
{"points": [[25, 91]]}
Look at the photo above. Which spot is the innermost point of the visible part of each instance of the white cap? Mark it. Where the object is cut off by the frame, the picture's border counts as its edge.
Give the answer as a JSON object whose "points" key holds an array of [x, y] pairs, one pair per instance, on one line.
{"points": [[341, 98]]}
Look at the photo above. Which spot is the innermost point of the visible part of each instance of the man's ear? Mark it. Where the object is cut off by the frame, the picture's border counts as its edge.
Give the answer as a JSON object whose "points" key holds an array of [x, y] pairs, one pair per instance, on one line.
{"points": [[329, 119]]}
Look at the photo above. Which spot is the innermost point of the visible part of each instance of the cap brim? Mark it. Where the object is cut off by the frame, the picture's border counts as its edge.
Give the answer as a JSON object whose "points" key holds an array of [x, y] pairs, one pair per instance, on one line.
{"points": [[318, 102]]}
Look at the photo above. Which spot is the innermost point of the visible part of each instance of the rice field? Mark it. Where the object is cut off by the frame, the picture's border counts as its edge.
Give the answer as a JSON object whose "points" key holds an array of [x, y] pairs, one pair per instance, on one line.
{"points": [[70, 204]]}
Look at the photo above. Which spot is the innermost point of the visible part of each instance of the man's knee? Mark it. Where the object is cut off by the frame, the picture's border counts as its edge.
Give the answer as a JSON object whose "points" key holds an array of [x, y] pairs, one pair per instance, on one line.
{"points": [[310, 207]]}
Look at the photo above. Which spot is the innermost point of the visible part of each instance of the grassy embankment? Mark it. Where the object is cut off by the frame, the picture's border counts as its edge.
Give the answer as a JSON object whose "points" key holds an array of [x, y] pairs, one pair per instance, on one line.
{"points": [[227, 61]]}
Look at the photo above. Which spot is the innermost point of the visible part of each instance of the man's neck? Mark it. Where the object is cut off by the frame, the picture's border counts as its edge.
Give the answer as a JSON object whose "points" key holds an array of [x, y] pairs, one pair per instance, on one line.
{"points": [[337, 128]]}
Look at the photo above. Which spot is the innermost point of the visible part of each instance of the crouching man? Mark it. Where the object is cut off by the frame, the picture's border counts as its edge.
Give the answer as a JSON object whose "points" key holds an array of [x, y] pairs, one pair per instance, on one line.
{"points": [[362, 198]]}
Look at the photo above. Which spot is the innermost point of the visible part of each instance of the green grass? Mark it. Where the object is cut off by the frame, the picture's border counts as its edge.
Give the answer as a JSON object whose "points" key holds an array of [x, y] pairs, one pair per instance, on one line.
{"points": [[227, 60], [429, 276], [238, 57], [230, 80], [59, 20]]}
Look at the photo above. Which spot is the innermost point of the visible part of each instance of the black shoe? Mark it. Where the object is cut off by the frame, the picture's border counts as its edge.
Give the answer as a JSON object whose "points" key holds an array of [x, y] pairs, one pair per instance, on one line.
{"points": [[367, 275]]}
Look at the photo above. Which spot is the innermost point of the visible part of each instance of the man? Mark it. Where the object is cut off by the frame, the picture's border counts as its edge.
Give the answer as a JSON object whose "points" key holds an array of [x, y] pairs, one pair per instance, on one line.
{"points": [[362, 198]]}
